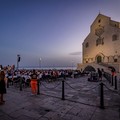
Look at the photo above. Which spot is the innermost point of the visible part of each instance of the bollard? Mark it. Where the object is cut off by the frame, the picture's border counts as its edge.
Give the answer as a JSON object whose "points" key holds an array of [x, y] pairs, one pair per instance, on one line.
{"points": [[63, 95], [101, 96], [7, 82], [109, 78], [64, 76], [38, 88], [12, 81], [20, 83], [112, 80], [115, 82]]}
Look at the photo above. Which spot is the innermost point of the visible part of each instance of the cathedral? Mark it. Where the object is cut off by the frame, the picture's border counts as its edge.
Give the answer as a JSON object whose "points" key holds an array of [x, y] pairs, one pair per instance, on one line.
{"points": [[102, 44]]}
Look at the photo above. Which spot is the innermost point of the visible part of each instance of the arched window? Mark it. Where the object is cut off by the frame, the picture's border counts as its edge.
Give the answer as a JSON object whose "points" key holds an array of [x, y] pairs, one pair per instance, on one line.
{"points": [[98, 41], [99, 20], [114, 37], [87, 45]]}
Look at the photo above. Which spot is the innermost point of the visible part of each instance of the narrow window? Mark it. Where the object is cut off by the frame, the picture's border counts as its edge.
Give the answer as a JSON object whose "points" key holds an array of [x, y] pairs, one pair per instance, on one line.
{"points": [[99, 20], [87, 45], [114, 37], [115, 60]]}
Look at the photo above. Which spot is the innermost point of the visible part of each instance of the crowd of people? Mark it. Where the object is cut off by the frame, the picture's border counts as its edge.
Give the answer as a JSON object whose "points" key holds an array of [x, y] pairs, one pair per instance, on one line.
{"points": [[8, 74]]}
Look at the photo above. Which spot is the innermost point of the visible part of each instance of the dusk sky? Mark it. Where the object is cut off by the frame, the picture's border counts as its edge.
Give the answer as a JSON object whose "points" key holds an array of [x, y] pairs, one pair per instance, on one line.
{"points": [[52, 30]]}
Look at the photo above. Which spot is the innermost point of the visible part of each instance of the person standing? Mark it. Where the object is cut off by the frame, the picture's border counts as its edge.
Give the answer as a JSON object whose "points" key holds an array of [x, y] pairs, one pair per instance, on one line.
{"points": [[99, 74], [2, 87], [103, 72], [33, 82]]}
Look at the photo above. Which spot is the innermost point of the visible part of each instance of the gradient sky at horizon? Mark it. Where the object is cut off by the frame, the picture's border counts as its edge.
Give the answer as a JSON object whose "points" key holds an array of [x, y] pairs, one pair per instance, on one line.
{"points": [[52, 30]]}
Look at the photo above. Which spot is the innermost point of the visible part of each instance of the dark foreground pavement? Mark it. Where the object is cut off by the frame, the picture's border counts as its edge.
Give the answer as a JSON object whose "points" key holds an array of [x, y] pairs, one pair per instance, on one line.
{"points": [[82, 102]]}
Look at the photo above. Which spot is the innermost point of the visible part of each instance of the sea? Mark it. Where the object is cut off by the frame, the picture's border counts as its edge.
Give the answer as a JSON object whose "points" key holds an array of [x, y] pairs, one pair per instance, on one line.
{"points": [[49, 68]]}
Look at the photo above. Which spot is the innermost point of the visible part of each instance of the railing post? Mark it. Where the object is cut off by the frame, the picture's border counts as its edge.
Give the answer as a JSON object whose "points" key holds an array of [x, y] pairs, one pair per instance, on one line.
{"points": [[7, 82], [38, 88], [112, 80], [109, 78], [115, 82], [63, 95], [20, 84], [101, 96], [64, 76], [12, 81]]}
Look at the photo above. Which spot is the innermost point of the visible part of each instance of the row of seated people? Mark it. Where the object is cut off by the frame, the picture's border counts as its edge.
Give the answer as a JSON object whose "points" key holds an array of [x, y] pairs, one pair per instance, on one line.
{"points": [[50, 75], [25, 78]]}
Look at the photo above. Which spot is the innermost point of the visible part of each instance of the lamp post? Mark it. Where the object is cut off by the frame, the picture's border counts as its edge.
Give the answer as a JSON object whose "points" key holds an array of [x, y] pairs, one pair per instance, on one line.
{"points": [[72, 70], [40, 59]]}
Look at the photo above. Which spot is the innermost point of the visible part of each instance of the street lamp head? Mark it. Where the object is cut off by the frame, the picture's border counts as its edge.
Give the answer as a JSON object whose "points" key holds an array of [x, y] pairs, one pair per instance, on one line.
{"points": [[18, 58], [40, 59]]}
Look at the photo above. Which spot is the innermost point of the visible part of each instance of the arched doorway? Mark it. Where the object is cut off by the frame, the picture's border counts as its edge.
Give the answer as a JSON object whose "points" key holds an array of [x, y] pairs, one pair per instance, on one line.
{"points": [[99, 59], [89, 68]]}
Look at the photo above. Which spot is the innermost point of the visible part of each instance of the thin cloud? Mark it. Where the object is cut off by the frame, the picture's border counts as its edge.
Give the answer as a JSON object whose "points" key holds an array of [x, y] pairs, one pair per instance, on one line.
{"points": [[76, 53]]}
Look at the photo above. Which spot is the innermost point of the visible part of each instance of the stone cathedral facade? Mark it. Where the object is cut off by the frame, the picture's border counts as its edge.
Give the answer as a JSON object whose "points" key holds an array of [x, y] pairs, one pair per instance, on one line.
{"points": [[102, 45]]}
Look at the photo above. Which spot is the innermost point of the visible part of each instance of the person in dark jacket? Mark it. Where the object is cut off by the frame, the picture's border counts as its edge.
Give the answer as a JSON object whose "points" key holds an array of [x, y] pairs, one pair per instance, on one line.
{"points": [[2, 87]]}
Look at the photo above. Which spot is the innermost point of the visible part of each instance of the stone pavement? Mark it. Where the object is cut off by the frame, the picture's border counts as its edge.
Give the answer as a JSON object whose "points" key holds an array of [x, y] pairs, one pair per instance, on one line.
{"points": [[82, 102]]}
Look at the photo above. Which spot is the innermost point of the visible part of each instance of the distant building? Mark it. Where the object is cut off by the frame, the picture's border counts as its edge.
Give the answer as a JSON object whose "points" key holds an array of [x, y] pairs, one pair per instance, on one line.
{"points": [[102, 45]]}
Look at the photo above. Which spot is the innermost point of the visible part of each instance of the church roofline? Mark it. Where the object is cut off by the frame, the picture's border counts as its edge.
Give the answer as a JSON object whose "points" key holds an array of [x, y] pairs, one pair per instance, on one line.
{"points": [[100, 15], [104, 16]]}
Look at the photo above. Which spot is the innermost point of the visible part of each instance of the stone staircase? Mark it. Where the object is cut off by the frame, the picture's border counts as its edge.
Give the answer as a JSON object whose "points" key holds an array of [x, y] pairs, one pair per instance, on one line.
{"points": [[105, 67], [94, 65]]}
